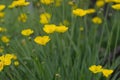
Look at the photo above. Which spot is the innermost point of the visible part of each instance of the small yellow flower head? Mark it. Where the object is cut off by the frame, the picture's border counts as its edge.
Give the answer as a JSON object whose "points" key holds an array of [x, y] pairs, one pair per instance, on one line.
{"points": [[45, 18], [3, 29], [16, 63], [107, 72], [1, 65], [90, 11], [22, 17], [47, 2], [79, 12], [95, 69], [2, 7], [97, 20], [2, 14], [61, 29], [19, 3], [58, 3], [42, 40], [5, 39], [81, 28], [49, 28], [116, 6], [27, 32], [100, 3]]}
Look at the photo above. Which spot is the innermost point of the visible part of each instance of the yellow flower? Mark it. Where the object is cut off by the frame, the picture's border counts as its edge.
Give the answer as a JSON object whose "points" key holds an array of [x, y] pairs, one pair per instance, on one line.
{"points": [[97, 20], [79, 12], [116, 1], [27, 32], [49, 28], [2, 14], [22, 17], [58, 2], [2, 7], [47, 2], [90, 11], [107, 72], [5, 39], [42, 40], [16, 63], [100, 3], [18, 3], [81, 28], [61, 29], [116, 6], [95, 69], [45, 18], [1, 65], [2, 29]]}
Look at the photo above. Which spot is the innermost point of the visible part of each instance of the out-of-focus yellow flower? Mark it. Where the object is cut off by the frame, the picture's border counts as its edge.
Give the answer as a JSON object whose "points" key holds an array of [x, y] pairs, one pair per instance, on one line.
{"points": [[97, 20], [3, 29], [1, 65], [22, 17], [79, 12], [61, 29], [107, 72], [95, 69], [2, 7], [5, 39], [116, 6], [16, 63], [58, 3], [2, 14], [100, 3], [49, 28], [81, 28], [19, 3], [45, 18], [90, 11], [27, 32], [42, 40], [115, 1], [47, 2]]}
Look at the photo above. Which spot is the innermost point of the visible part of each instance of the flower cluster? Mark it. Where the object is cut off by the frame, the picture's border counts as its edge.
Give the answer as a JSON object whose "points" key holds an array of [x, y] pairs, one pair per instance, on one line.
{"points": [[2, 7], [98, 69], [6, 60], [18, 3], [51, 28]]}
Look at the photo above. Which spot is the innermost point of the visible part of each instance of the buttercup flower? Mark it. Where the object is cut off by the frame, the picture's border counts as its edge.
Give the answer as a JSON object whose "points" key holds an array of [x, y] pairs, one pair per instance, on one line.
{"points": [[2, 14], [95, 69], [2, 7], [47, 2], [97, 20], [1, 65], [100, 3], [22, 17], [90, 11], [79, 12], [45, 18], [116, 6], [61, 29], [5, 39], [42, 40], [107, 72], [19, 3], [27, 32], [49, 28]]}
